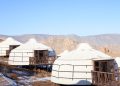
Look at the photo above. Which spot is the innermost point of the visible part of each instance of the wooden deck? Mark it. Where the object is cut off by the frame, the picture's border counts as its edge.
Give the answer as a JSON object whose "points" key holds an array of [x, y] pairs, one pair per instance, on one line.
{"points": [[105, 79]]}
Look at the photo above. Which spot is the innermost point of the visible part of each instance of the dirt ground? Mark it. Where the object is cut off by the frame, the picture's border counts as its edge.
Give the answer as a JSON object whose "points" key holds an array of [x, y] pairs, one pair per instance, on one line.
{"points": [[44, 83], [39, 74]]}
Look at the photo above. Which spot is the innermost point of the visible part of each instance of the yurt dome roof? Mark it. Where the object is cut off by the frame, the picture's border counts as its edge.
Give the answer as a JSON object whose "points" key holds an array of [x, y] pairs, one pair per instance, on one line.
{"points": [[10, 41], [83, 46], [32, 44], [84, 51]]}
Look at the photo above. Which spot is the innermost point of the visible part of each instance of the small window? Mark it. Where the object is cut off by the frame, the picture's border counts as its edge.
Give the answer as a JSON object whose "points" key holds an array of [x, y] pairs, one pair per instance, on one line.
{"points": [[97, 64]]}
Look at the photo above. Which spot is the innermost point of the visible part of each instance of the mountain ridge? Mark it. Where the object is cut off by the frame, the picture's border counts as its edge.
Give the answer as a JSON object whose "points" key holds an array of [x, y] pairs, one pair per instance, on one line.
{"points": [[103, 42]]}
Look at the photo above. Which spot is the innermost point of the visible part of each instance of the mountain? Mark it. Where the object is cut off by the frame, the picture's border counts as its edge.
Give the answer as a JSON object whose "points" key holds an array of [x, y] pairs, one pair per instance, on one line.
{"points": [[108, 43]]}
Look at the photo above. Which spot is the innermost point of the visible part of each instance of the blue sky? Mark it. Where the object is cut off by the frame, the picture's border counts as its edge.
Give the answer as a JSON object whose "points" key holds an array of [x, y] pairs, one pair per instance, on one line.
{"points": [[81, 17]]}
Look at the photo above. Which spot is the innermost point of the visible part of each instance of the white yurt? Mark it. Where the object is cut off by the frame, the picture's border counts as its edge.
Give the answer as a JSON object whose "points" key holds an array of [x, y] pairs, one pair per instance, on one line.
{"points": [[22, 54], [7, 45], [75, 67]]}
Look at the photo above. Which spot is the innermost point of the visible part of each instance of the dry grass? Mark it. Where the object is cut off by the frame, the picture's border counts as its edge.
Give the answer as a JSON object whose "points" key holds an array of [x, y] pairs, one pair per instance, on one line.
{"points": [[43, 73], [14, 76]]}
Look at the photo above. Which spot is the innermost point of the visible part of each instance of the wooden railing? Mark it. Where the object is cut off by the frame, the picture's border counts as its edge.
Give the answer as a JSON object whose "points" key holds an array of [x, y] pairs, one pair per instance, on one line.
{"points": [[105, 79], [34, 61]]}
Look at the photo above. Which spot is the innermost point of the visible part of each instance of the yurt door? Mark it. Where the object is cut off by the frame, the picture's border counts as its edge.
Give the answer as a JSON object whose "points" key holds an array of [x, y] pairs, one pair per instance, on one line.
{"points": [[104, 66], [41, 56]]}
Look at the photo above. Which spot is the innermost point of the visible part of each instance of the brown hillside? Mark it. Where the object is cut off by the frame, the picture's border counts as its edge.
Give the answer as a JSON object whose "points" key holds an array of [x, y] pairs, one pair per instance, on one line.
{"points": [[108, 43]]}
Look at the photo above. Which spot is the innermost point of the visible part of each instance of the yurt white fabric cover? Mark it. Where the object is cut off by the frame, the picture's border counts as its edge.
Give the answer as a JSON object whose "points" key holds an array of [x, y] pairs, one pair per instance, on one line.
{"points": [[75, 67], [117, 59], [5, 45], [21, 55]]}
